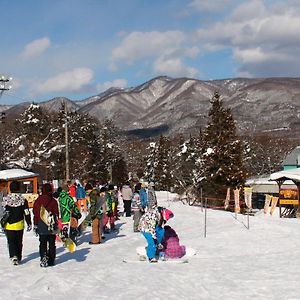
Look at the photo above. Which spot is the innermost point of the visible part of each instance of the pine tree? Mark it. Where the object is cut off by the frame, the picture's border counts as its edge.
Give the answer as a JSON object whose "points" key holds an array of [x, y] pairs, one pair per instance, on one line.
{"points": [[163, 177], [151, 162], [223, 151]]}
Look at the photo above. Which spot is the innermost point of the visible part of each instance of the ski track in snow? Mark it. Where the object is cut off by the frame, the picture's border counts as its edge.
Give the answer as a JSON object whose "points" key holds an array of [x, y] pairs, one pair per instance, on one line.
{"points": [[232, 262]]}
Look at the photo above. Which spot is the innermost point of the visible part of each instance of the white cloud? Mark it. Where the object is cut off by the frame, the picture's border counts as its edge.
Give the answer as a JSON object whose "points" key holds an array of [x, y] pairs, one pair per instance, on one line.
{"points": [[173, 67], [209, 5], [118, 83], [138, 45], [165, 50], [36, 47], [263, 38], [69, 81]]}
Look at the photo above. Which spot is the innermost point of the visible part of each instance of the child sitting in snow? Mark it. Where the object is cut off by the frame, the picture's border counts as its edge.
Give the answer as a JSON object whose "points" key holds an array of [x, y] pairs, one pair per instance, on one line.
{"points": [[172, 248]]}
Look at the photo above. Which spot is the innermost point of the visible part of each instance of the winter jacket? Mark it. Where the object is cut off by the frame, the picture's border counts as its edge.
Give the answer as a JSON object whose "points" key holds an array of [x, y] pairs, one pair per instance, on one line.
{"points": [[126, 192], [67, 207], [51, 205], [96, 210], [109, 202], [80, 192], [152, 200], [136, 204], [144, 198], [72, 190], [149, 221], [17, 206], [171, 244]]}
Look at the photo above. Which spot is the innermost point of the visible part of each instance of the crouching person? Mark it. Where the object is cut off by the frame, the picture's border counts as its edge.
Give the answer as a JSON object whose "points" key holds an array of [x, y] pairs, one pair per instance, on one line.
{"points": [[172, 247], [46, 232]]}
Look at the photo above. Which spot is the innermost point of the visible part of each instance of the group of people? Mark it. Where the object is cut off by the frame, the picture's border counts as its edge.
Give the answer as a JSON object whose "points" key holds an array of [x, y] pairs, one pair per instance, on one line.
{"points": [[103, 205]]}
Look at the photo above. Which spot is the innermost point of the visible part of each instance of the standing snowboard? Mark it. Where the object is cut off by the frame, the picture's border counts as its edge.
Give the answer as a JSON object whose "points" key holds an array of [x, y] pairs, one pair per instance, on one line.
{"points": [[56, 227]]}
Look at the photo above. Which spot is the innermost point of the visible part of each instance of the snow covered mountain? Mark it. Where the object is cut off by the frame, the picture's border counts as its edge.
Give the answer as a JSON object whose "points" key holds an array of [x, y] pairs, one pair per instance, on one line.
{"points": [[171, 106]]}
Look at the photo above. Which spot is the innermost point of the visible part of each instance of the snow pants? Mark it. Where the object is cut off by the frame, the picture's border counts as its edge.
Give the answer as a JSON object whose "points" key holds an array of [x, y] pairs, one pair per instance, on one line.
{"points": [[137, 214], [152, 244], [15, 243], [96, 231], [127, 207], [47, 247]]}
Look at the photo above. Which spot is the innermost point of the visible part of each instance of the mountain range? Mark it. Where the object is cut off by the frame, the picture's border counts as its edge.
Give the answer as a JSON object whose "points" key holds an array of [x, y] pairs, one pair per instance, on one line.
{"points": [[180, 105]]}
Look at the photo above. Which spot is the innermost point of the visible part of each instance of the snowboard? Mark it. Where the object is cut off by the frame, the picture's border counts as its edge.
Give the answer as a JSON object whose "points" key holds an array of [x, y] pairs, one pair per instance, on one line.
{"points": [[66, 240], [84, 214], [141, 252], [48, 219], [63, 236], [166, 261]]}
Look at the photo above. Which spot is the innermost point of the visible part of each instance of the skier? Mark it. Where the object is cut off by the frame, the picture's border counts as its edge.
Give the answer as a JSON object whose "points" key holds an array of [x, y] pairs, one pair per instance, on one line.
{"points": [[151, 226], [17, 207], [46, 235]]}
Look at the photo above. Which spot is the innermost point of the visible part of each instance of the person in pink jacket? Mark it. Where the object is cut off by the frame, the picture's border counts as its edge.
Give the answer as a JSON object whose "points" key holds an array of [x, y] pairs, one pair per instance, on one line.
{"points": [[172, 248]]}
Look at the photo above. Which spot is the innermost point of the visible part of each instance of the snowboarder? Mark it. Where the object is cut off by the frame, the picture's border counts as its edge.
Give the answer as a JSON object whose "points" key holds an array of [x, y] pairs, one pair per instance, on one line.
{"points": [[109, 215], [96, 213], [17, 207], [46, 234], [68, 209], [151, 226]]}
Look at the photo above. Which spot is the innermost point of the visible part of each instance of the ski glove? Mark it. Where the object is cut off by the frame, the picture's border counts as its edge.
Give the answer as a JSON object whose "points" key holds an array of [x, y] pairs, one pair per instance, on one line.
{"points": [[160, 247], [29, 227]]}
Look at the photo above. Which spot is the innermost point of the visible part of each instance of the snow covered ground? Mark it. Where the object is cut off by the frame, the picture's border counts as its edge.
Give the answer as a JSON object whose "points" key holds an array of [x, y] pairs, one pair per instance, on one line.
{"points": [[232, 262]]}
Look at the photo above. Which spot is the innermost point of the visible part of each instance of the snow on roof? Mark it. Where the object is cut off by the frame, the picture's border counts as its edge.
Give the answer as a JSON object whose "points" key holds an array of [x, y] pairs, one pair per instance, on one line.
{"points": [[292, 174], [15, 174], [265, 181]]}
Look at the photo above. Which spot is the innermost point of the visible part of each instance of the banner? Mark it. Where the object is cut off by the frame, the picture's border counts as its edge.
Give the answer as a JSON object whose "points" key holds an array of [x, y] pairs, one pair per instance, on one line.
{"points": [[227, 198], [248, 196], [237, 200], [267, 203]]}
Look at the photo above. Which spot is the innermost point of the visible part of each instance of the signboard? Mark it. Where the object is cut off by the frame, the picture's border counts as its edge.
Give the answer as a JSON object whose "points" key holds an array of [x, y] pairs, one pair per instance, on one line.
{"points": [[288, 196]]}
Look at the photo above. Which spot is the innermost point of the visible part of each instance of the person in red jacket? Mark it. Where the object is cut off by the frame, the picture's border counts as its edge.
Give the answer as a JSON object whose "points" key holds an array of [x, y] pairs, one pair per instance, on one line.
{"points": [[47, 235]]}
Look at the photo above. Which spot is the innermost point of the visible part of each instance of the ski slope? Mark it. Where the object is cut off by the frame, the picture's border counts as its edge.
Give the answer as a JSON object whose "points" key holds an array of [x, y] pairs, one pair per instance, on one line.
{"points": [[232, 262]]}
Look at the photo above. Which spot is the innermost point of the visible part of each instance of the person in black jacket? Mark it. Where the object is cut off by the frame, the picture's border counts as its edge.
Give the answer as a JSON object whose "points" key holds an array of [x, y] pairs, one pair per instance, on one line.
{"points": [[47, 232], [17, 207]]}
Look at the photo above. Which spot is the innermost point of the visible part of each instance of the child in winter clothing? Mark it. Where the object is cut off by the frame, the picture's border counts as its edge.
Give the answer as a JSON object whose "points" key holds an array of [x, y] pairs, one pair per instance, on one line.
{"points": [[151, 226], [46, 235], [172, 248], [17, 207], [143, 196]]}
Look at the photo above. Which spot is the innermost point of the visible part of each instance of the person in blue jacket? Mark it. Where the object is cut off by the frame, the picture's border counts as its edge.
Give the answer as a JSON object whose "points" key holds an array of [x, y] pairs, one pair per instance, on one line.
{"points": [[143, 197]]}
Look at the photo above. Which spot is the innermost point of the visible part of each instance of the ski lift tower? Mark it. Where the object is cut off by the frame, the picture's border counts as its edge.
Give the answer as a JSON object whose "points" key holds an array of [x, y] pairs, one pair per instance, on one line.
{"points": [[4, 83]]}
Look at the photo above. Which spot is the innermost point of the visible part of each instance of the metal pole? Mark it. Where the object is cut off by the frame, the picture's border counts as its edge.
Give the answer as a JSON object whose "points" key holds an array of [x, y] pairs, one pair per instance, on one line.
{"points": [[205, 217], [67, 143], [201, 199], [248, 219]]}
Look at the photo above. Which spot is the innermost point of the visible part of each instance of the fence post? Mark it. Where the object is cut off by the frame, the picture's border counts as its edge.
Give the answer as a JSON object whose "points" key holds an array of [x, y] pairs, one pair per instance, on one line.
{"points": [[205, 217]]}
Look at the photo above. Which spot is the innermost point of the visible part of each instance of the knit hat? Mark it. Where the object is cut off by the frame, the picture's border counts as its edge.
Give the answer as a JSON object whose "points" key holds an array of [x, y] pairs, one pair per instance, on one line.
{"points": [[167, 214]]}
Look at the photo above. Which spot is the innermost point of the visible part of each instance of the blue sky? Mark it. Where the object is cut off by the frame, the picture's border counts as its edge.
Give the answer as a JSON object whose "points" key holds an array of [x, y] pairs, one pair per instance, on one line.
{"points": [[79, 48]]}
